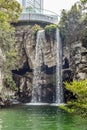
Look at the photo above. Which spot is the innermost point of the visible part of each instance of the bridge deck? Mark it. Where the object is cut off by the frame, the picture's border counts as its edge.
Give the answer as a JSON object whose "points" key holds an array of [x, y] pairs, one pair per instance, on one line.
{"points": [[38, 17]]}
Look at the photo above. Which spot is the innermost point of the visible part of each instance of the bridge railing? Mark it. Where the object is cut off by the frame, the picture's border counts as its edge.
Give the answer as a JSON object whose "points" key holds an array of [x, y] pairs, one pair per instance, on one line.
{"points": [[39, 15], [39, 11]]}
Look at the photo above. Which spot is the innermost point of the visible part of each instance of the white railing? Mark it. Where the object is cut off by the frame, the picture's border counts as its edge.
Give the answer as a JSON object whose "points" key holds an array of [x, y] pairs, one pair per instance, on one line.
{"points": [[38, 15]]}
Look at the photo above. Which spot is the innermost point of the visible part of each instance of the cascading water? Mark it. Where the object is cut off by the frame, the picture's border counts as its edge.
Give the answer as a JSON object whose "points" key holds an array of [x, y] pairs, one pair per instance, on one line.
{"points": [[36, 92], [59, 89], [37, 79]]}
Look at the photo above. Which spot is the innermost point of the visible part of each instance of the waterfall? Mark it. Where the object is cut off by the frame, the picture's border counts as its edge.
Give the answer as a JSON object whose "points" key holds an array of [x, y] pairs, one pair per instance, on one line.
{"points": [[38, 75], [37, 81], [59, 89]]}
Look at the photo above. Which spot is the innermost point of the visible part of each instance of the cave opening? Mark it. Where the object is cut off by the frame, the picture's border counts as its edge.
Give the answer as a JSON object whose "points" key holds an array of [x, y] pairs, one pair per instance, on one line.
{"points": [[18, 75], [22, 71]]}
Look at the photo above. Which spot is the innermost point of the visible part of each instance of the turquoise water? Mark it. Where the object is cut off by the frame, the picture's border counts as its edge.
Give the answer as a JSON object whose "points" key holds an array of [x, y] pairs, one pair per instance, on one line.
{"points": [[39, 118]]}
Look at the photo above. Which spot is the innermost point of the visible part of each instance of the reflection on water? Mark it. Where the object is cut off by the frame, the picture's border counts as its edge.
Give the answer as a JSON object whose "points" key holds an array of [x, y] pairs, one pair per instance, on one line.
{"points": [[39, 118], [0, 124]]}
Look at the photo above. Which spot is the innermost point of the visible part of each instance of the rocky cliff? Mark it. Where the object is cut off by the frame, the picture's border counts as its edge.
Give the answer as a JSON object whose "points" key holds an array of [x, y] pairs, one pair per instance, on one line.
{"points": [[74, 64], [75, 57], [23, 76]]}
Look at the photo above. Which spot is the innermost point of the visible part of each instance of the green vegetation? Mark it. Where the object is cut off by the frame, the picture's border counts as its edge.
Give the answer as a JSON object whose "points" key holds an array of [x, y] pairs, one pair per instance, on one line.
{"points": [[73, 23], [79, 104], [9, 12], [11, 9], [73, 27], [9, 83], [36, 28], [50, 32]]}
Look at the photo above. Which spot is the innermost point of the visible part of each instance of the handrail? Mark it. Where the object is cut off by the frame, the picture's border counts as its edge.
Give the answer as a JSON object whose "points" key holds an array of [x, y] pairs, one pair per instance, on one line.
{"points": [[39, 11], [38, 14]]}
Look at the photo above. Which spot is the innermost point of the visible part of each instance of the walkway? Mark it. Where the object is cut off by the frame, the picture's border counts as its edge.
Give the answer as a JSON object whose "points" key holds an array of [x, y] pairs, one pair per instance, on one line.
{"points": [[40, 16]]}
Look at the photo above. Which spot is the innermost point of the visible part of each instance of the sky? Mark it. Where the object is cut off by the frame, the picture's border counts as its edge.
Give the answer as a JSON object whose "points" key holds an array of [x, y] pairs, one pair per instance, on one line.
{"points": [[57, 5]]}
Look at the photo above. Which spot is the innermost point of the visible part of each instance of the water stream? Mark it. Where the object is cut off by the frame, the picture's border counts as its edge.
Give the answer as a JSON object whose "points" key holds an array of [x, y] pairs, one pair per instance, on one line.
{"points": [[59, 89], [37, 79], [36, 92]]}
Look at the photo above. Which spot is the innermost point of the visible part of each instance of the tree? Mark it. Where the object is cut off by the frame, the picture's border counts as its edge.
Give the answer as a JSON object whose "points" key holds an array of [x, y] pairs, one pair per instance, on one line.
{"points": [[11, 8], [79, 104], [73, 27], [84, 4], [63, 24], [69, 24], [9, 12], [73, 23]]}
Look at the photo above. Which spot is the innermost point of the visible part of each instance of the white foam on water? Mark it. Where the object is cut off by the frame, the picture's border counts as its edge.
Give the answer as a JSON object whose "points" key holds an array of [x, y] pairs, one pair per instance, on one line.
{"points": [[44, 104]]}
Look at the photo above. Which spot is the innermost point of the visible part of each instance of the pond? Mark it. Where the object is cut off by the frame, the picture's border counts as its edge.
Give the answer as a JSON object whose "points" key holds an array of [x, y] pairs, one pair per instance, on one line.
{"points": [[39, 118]]}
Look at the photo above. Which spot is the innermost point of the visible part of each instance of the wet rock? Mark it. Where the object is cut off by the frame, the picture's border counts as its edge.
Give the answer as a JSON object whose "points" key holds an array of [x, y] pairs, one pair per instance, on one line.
{"points": [[26, 44], [77, 57], [4, 102]]}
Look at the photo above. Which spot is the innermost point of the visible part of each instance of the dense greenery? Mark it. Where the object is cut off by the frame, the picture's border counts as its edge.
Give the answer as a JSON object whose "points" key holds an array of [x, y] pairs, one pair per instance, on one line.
{"points": [[50, 31], [73, 23], [11, 9], [9, 12], [35, 29], [9, 82], [73, 27], [79, 104]]}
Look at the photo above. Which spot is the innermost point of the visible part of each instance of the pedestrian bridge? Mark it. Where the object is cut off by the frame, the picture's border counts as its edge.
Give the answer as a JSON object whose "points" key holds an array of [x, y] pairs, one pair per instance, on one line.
{"points": [[44, 16]]}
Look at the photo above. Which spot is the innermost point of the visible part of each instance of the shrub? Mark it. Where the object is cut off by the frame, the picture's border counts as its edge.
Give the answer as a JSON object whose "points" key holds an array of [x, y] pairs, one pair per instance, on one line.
{"points": [[50, 31], [78, 105], [36, 28], [9, 82]]}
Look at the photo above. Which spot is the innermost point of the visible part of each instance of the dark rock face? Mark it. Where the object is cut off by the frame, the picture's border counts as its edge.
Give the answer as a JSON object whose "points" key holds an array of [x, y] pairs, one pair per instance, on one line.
{"points": [[76, 56], [23, 76], [67, 75], [4, 102], [74, 65], [65, 63], [48, 93], [24, 83]]}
